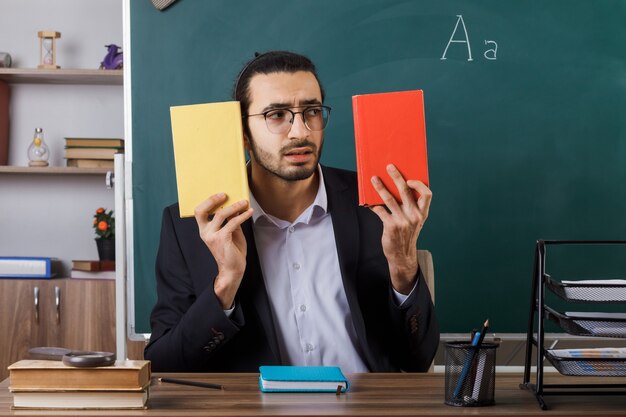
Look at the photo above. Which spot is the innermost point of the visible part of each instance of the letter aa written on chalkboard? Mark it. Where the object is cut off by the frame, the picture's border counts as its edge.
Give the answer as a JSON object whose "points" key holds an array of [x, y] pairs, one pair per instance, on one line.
{"points": [[489, 54]]}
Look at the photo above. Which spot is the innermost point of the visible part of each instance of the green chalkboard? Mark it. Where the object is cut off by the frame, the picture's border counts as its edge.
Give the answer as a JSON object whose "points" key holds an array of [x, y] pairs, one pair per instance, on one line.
{"points": [[529, 145]]}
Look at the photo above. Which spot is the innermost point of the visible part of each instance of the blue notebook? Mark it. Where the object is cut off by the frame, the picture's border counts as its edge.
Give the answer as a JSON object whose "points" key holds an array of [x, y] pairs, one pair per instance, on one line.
{"points": [[302, 379]]}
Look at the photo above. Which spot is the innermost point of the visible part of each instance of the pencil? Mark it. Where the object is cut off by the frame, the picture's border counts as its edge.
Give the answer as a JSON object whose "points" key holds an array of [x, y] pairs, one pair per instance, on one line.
{"points": [[469, 360], [478, 379], [483, 332], [191, 383], [466, 366]]}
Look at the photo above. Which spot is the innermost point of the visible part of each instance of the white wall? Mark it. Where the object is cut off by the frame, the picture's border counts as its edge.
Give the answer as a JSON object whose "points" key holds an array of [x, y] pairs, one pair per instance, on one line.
{"points": [[52, 215]]}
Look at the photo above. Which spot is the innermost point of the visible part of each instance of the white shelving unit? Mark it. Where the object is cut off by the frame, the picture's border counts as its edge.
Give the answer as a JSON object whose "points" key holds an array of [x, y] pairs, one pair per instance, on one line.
{"points": [[48, 211]]}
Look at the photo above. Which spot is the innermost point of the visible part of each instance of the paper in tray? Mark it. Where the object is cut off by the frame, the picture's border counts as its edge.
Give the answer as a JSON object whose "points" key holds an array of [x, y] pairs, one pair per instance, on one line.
{"points": [[589, 353], [589, 362]]}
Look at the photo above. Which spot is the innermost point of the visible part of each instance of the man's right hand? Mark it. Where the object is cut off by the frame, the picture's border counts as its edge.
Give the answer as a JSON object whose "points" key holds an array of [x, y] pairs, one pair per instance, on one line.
{"points": [[223, 236]]}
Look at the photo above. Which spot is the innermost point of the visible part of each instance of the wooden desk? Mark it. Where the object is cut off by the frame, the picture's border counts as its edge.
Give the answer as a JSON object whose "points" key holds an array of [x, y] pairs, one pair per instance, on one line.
{"points": [[370, 395]]}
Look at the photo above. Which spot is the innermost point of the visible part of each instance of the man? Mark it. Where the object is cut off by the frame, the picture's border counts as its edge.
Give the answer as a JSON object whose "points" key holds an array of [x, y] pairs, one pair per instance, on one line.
{"points": [[304, 276]]}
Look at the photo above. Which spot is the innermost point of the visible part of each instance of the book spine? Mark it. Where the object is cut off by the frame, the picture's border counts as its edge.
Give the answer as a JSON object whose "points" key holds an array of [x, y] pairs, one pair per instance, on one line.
{"points": [[359, 149], [425, 155], [78, 274], [90, 163], [95, 146], [94, 143], [244, 171]]}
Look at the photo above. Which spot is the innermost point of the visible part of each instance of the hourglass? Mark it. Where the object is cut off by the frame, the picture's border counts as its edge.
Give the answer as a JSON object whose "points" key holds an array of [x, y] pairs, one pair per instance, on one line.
{"points": [[47, 49]]}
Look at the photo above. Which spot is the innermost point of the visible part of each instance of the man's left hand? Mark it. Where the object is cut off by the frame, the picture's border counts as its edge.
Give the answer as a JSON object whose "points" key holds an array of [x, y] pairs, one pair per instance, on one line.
{"points": [[402, 223]]}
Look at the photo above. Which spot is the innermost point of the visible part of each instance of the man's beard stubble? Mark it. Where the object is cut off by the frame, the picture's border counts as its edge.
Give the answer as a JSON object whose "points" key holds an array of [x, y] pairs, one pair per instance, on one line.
{"points": [[294, 173]]}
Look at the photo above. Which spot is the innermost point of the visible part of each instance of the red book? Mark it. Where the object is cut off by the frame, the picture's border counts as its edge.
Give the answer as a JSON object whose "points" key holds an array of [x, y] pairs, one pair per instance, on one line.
{"points": [[389, 128], [80, 265]]}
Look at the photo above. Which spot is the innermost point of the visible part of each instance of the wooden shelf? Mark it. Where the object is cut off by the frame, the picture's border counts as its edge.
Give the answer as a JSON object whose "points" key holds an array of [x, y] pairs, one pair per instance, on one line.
{"points": [[11, 169], [61, 76]]}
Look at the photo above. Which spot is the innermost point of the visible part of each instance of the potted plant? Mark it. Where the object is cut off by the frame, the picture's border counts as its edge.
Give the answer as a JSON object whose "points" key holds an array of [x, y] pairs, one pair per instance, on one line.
{"points": [[104, 225]]}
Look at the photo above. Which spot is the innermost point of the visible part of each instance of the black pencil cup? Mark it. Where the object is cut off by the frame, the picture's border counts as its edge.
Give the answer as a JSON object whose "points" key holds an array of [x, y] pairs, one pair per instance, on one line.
{"points": [[470, 374]]}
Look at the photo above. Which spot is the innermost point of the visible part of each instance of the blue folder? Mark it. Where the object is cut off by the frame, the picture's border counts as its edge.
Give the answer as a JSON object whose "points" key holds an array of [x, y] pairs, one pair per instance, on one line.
{"points": [[27, 267]]}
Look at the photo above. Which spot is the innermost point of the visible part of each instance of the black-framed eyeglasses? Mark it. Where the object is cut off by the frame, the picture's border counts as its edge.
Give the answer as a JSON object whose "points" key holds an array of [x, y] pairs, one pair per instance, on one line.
{"points": [[280, 120]]}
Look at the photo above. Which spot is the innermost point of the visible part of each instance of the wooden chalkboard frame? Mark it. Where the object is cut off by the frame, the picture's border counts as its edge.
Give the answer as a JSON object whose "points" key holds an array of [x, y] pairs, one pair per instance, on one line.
{"points": [[525, 146]]}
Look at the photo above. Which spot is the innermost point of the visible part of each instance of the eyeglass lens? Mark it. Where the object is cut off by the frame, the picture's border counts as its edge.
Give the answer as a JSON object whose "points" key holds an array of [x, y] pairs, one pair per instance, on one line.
{"points": [[280, 120]]}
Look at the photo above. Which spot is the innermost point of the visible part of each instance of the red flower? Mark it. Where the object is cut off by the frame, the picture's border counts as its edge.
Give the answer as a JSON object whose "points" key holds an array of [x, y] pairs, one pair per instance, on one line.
{"points": [[103, 226]]}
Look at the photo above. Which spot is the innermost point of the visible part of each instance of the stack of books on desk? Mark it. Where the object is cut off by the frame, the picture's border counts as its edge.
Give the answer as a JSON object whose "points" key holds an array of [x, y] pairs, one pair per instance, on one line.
{"points": [[92, 152], [93, 269], [52, 385]]}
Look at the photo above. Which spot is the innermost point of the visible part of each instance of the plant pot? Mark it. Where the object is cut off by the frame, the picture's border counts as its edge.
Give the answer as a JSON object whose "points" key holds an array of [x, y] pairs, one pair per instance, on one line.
{"points": [[106, 249]]}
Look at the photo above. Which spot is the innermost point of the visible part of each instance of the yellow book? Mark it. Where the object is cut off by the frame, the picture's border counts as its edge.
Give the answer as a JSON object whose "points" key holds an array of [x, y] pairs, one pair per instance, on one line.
{"points": [[208, 153]]}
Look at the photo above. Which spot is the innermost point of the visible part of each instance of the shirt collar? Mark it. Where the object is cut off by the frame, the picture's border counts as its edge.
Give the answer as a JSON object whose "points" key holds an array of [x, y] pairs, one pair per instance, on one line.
{"points": [[321, 202]]}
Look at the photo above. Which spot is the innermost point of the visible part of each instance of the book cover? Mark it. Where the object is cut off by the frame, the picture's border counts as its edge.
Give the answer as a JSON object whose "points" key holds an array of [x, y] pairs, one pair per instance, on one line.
{"points": [[91, 163], [38, 375], [302, 379], [95, 265], [80, 399], [27, 267], [91, 153], [208, 153], [94, 142], [389, 128]]}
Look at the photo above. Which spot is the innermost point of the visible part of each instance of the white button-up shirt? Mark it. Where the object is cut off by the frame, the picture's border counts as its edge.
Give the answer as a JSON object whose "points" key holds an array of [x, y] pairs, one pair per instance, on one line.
{"points": [[303, 280]]}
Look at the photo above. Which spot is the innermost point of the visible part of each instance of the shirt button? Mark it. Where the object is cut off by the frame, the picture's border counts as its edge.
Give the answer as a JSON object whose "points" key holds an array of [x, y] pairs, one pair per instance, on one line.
{"points": [[308, 347], [291, 229], [296, 266], [303, 308]]}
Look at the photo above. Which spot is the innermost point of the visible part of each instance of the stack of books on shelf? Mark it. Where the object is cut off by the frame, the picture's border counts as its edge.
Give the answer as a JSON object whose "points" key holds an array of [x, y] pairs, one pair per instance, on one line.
{"points": [[93, 269], [92, 152], [47, 384]]}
